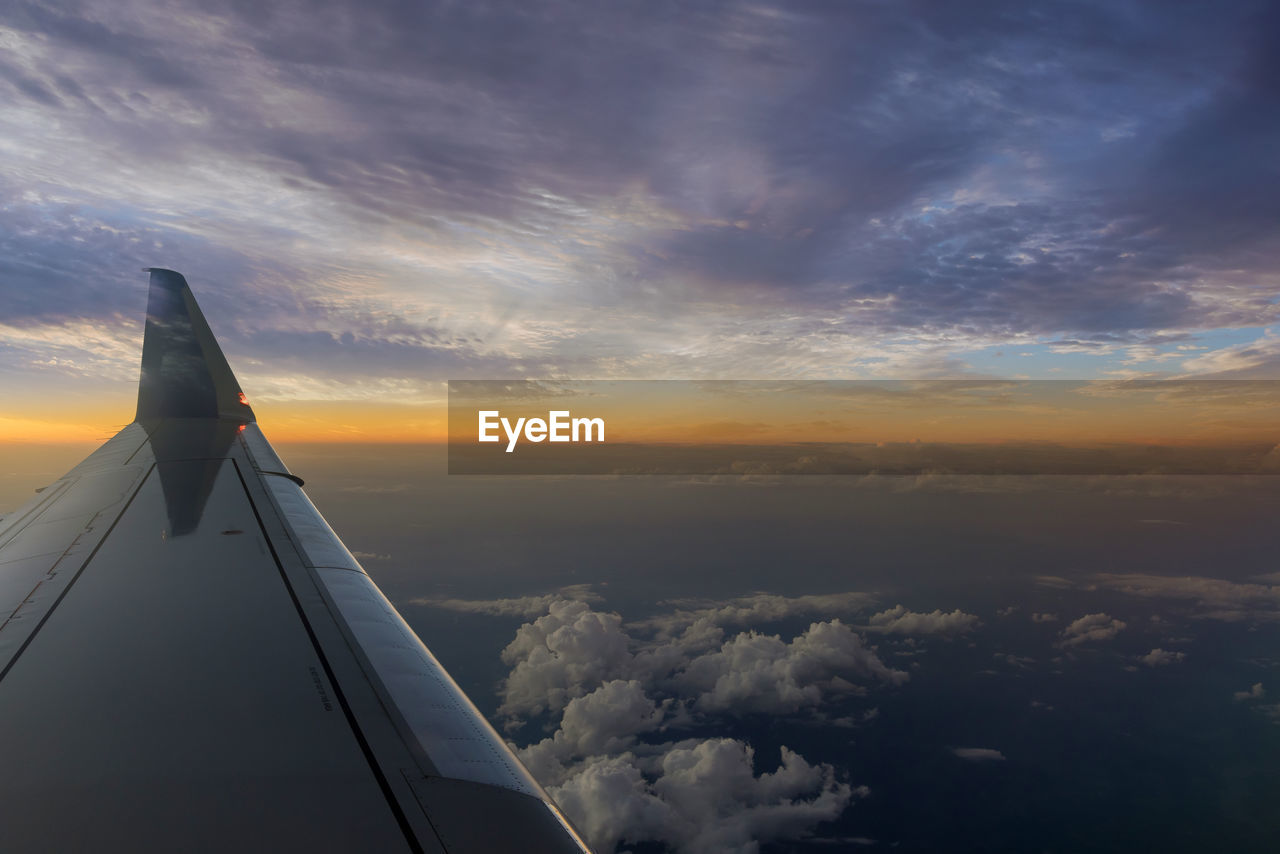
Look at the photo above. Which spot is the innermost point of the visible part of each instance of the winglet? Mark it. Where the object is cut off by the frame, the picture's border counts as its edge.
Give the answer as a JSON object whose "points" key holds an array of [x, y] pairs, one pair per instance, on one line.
{"points": [[184, 374]]}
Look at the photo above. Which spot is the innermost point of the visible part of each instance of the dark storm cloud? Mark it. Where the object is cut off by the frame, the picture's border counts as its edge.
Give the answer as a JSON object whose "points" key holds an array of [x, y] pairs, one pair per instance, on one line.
{"points": [[996, 168]]}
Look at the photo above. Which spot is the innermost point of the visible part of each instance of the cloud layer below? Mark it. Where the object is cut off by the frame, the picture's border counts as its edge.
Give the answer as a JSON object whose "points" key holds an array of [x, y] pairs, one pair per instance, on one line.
{"points": [[622, 700]]}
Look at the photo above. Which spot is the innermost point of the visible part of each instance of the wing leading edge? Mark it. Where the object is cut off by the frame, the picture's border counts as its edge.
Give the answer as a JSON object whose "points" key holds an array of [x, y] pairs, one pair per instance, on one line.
{"points": [[190, 657]]}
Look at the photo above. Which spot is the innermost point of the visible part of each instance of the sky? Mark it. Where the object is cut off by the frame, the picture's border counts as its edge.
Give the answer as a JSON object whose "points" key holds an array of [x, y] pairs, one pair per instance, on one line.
{"points": [[370, 199]]}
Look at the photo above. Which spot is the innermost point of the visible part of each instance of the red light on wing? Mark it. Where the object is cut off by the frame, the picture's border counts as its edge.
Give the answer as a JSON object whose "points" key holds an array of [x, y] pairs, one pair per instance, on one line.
{"points": [[243, 400]]}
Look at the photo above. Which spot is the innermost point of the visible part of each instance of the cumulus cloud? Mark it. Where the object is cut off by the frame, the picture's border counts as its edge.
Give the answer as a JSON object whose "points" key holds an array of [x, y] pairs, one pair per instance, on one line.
{"points": [[694, 795], [979, 754], [754, 609], [701, 798], [1161, 657], [573, 645], [1255, 692], [556, 656], [615, 697], [610, 801], [762, 673], [1091, 628], [1044, 618], [898, 620], [605, 721]]}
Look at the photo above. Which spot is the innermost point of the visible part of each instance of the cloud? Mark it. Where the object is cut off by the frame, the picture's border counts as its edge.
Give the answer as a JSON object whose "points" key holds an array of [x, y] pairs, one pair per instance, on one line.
{"points": [[375, 489], [614, 696], [754, 609], [606, 721], [1256, 359], [610, 801], [762, 673], [556, 655], [519, 606], [979, 754], [898, 620], [1213, 598], [1044, 618], [694, 795], [98, 351], [1255, 692], [573, 646], [700, 798], [1271, 710], [1091, 628], [1161, 657], [589, 187]]}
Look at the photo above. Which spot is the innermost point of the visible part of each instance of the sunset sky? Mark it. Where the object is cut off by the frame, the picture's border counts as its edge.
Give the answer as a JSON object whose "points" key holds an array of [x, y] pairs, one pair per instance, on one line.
{"points": [[372, 198], [1017, 212]]}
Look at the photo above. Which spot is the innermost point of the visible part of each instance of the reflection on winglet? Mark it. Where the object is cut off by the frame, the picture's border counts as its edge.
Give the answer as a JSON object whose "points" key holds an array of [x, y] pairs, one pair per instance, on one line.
{"points": [[184, 373]]}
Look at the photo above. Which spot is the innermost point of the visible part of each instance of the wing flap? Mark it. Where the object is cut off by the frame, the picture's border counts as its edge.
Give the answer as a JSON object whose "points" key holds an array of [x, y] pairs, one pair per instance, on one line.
{"points": [[316, 542], [431, 709], [456, 738]]}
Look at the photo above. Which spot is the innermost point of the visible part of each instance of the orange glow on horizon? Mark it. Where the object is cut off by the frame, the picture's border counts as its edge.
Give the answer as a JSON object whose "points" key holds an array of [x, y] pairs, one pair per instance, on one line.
{"points": [[715, 419]]}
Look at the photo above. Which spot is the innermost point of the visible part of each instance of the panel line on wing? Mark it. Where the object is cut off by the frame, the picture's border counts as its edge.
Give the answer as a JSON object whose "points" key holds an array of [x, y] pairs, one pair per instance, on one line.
{"points": [[26, 642], [394, 804], [30, 511]]}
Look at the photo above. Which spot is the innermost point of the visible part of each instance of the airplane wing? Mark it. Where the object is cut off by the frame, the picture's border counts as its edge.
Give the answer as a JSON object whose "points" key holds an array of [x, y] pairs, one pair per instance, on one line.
{"points": [[191, 660]]}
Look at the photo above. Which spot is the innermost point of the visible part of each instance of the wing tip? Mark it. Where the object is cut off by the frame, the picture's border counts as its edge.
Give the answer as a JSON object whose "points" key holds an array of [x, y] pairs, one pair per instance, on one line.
{"points": [[184, 373]]}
